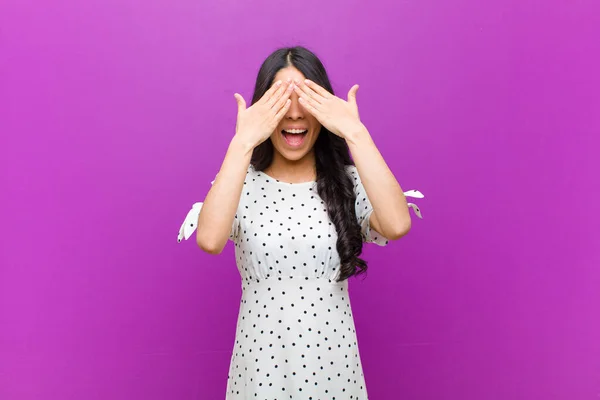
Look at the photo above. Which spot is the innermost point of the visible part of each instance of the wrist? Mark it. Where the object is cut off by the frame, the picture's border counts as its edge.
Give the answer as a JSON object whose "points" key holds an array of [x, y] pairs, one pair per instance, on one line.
{"points": [[356, 135], [241, 145]]}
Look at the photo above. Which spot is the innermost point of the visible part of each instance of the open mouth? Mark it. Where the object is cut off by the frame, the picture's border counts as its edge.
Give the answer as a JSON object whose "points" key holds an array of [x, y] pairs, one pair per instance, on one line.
{"points": [[294, 137]]}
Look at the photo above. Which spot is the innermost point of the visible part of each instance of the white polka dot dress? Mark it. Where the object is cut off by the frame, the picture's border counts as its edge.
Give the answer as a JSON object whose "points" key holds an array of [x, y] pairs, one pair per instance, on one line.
{"points": [[295, 335]]}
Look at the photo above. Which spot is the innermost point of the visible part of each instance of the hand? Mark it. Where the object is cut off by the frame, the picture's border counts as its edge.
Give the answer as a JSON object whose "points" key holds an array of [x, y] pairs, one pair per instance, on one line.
{"points": [[338, 116], [255, 124]]}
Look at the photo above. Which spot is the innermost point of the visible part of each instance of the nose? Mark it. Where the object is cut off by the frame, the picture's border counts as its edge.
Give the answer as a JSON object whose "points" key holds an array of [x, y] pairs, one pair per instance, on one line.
{"points": [[295, 111]]}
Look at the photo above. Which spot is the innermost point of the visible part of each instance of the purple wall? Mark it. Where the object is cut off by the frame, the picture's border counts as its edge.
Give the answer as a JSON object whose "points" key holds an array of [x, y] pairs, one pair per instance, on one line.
{"points": [[115, 116]]}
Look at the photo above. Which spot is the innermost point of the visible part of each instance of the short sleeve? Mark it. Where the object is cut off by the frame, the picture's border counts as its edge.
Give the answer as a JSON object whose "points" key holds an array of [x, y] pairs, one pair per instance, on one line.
{"points": [[191, 221], [364, 209]]}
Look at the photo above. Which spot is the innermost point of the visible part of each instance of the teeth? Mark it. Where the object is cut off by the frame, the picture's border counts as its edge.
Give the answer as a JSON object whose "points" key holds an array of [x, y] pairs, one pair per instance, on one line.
{"points": [[294, 131]]}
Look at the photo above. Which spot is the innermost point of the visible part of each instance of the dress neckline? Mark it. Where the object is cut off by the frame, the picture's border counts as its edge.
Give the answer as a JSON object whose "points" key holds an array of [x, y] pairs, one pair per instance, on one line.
{"points": [[269, 178]]}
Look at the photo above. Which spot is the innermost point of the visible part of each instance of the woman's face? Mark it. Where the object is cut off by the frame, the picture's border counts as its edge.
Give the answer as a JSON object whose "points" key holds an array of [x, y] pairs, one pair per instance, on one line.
{"points": [[298, 130]]}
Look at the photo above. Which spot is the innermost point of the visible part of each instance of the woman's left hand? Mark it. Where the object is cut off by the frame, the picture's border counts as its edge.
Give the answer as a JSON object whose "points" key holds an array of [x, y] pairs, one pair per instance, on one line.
{"points": [[338, 116]]}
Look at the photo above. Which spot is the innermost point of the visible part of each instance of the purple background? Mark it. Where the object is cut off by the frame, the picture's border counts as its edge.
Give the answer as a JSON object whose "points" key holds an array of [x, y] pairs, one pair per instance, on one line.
{"points": [[115, 116]]}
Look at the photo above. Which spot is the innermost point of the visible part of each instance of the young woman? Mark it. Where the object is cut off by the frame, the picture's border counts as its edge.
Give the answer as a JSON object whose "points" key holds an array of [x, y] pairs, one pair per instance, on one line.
{"points": [[299, 209]]}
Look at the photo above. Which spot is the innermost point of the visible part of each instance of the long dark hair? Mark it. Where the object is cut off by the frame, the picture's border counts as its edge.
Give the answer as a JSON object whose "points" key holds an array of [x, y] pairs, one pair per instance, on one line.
{"points": [[332, 155]]}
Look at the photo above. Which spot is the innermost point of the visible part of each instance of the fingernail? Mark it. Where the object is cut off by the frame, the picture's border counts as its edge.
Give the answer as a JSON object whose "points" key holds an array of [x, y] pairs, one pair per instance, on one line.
{"points": [[278, 83], [306, 81]]}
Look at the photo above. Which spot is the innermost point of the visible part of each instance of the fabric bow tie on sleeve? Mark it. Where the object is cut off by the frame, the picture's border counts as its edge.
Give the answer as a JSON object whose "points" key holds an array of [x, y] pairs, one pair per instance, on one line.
{"points": [[417, 195], [189, 223]]}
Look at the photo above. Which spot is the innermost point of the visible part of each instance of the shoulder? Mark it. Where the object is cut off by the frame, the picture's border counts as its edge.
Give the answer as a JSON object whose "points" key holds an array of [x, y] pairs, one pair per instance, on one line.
{"points": [[251, 174], [351, 169], [253, 182], [357, 184], [353, 174], [250, 171]]}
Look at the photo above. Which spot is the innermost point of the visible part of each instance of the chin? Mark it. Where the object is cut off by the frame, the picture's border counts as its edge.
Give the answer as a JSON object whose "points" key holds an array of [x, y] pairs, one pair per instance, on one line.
{"points": [[294, 156]]}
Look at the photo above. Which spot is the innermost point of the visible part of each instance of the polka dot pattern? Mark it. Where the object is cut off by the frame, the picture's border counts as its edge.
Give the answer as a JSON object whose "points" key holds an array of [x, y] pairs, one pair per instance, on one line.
{"points": [[295, 334]]}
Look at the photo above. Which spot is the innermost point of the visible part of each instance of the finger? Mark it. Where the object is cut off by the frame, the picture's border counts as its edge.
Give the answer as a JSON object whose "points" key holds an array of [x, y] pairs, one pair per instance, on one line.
{"points": [[310, 101], [277, 95], [352, 94], [240, 102], [269, 93], [307, 92], [318, 89], [282, 100], [308, 105], [283, 110], [306, 97]]}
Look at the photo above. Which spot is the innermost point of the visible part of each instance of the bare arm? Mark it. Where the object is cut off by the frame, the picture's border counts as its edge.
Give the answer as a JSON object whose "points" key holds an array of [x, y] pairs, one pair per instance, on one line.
{"points": [[221, 202], [254, 125], [390, 215]]}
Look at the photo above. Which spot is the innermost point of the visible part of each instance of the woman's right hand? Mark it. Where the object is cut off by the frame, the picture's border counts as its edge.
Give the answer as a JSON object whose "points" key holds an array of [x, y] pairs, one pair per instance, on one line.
{"points": [[255, 124]]}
